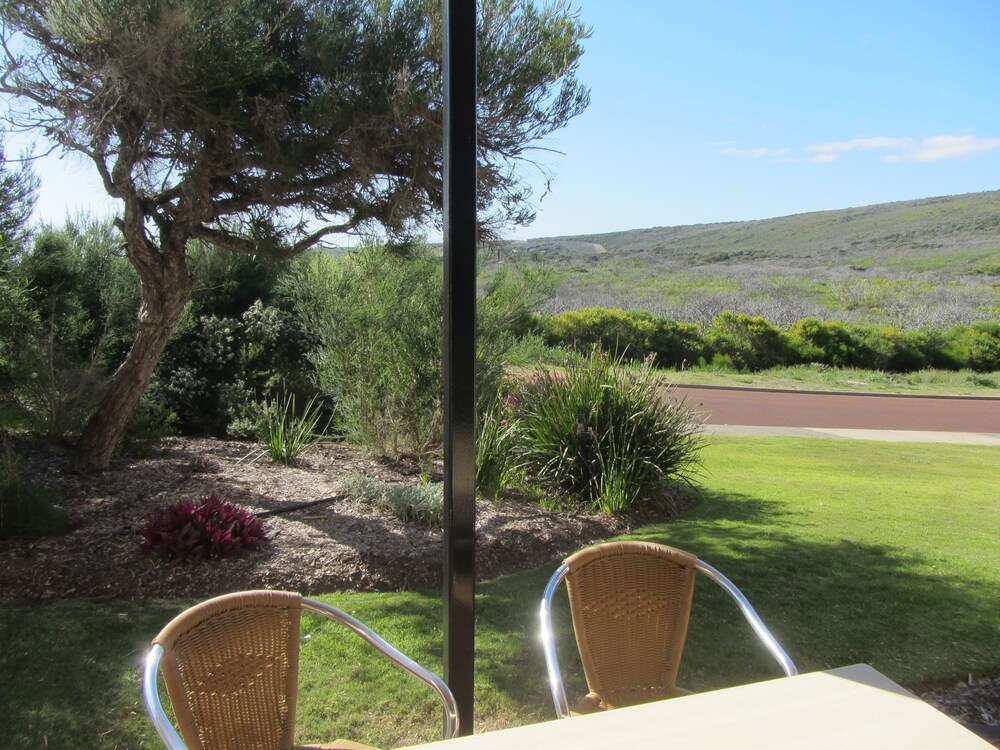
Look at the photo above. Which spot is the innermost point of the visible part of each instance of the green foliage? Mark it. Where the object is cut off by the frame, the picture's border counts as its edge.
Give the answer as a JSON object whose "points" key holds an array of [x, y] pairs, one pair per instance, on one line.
{"points": [[215, 368], [602, 435], [984, 349], [378, 316], [151, 422], [288, 432], [419, 503], [265, 125], [825, 342], [26, 510], [18, 188], [750, 342], [229, 284], [503, 316], [496, 440], [886, 348], [80, 298], [629, 334], [196, 374]]}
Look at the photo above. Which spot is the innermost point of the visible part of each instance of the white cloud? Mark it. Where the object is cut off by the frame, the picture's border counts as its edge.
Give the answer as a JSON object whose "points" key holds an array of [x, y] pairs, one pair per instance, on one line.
{"points": [[864, 144], [942, 147], [935, 148]]}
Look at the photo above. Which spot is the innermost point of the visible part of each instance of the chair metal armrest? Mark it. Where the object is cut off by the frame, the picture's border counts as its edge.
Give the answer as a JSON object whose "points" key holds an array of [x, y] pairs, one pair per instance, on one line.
{"points": [[549, 644], [751, 617], [151, 697], [395, 656]]}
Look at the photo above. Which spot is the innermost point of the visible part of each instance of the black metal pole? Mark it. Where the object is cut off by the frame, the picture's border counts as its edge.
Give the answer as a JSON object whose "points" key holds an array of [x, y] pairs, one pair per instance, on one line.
{"points": [[459, 28]]}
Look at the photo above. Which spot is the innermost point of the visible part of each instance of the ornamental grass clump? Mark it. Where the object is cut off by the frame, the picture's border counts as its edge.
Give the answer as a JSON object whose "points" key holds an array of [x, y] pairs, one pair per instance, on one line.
{"points": [[201, 530], [603, 435]]}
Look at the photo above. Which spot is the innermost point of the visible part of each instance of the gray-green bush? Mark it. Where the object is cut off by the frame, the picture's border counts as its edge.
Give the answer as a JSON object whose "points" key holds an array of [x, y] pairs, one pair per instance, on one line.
{"points": [[420, 503], [378, 318]]}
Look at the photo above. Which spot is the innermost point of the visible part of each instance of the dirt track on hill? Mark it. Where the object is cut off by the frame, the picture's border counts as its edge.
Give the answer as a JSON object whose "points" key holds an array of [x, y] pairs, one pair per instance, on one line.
{"points": [[765, 408]]}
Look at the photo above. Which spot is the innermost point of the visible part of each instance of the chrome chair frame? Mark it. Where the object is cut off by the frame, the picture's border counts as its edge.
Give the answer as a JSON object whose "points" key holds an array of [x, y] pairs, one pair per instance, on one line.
{"points": [[173, 741], [549, 644]]}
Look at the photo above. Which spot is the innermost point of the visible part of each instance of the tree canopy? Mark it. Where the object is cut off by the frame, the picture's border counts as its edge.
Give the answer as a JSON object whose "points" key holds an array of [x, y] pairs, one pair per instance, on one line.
{"points": [[262, 126], [240, 119]]}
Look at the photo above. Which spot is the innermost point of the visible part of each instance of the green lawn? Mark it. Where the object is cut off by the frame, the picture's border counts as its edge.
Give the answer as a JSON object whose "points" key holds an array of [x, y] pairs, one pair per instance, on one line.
{"points": [[804, 377], [851, 551]]}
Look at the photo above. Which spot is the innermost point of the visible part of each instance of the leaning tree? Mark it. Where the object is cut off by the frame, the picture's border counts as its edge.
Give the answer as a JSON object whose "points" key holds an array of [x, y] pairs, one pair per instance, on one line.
{"points": [[262, 126]]}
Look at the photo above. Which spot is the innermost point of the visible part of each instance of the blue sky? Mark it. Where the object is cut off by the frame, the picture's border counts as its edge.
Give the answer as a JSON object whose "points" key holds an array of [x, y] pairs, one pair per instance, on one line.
{"points": [[719, 111]]}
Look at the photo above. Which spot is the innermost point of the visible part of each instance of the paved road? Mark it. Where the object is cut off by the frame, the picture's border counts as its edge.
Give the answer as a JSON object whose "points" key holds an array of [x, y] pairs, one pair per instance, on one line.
{"points": [[764, 408]]}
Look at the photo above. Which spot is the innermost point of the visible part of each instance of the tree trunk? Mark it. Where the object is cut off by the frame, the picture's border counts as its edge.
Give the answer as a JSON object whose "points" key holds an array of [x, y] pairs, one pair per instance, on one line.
{"points": [[164, 295]]}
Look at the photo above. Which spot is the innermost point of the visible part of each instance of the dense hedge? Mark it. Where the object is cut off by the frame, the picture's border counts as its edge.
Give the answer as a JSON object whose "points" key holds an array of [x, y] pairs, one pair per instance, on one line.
{"points": [[752, 343]]}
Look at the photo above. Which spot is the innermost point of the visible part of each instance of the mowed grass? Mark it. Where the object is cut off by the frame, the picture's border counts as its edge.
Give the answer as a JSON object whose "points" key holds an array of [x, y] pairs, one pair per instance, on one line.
{"points": [[805, 377], [885, 553]]}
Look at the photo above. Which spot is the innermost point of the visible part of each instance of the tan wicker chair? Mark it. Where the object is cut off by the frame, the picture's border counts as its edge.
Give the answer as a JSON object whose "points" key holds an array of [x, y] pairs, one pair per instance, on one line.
{"points": [[630, 603], [230, 666]]}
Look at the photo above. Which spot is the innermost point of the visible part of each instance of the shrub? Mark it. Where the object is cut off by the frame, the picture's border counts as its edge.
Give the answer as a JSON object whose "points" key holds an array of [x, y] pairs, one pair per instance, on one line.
{"points": [[200, 360], [150, 422], [214, 368], [676, 344], [378, 317], [81, 297], [602, 435], [495, 441], [420, 503], [984, 350], [626, 334], [824, 341], [287, 432], [885, 348], [751, 343], [26, 510], [630, 335], [199, 530]]}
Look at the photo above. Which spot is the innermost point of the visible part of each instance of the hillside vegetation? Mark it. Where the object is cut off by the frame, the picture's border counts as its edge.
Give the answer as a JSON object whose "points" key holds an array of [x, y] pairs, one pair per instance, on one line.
{"points": [[931, 262], [958, 234]]}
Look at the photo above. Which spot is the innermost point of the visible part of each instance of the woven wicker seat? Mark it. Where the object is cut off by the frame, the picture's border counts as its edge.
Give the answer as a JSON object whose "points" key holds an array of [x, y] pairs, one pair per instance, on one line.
{"points": [[630, 603], [230, 666]]}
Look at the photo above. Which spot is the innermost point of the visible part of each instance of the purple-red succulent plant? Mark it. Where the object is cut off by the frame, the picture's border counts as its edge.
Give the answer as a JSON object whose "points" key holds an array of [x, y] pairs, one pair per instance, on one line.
{"points": [[211, 527]]}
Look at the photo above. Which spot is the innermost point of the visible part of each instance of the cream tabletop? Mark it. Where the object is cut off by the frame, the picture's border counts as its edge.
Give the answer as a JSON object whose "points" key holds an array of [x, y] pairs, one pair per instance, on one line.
{"points": [[851, 707]]}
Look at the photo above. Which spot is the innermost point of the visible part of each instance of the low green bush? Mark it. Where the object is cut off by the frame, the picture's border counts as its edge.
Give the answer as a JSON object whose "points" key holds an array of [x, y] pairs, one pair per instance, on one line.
{"points": [[603, 435], [26, 510], [826, 342], [626, 334], [745, 342], [749, 342], [495, 441], [886, 348], [631, 335]]}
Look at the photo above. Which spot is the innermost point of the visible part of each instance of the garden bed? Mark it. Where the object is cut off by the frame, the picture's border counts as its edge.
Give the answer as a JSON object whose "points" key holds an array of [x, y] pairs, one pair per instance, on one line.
{"points": [[340, 545]]}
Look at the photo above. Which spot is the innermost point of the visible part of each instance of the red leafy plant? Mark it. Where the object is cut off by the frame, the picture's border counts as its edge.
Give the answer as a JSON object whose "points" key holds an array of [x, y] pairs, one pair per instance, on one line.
{"points": [[199, 530]]}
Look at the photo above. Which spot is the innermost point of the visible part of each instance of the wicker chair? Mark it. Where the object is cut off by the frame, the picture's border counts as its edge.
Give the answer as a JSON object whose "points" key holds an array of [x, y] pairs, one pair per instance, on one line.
{"points": [[630, 603], [230, 666]]}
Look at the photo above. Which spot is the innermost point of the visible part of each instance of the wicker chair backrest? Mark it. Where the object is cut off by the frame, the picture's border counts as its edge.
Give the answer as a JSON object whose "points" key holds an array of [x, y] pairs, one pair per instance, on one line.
{"points": [[230, 666], [630, 603]]}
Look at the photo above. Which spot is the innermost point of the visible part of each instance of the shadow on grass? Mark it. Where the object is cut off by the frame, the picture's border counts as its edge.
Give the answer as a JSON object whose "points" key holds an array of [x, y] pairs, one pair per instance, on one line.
{"points": [[69, 673], [70, 669]]}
